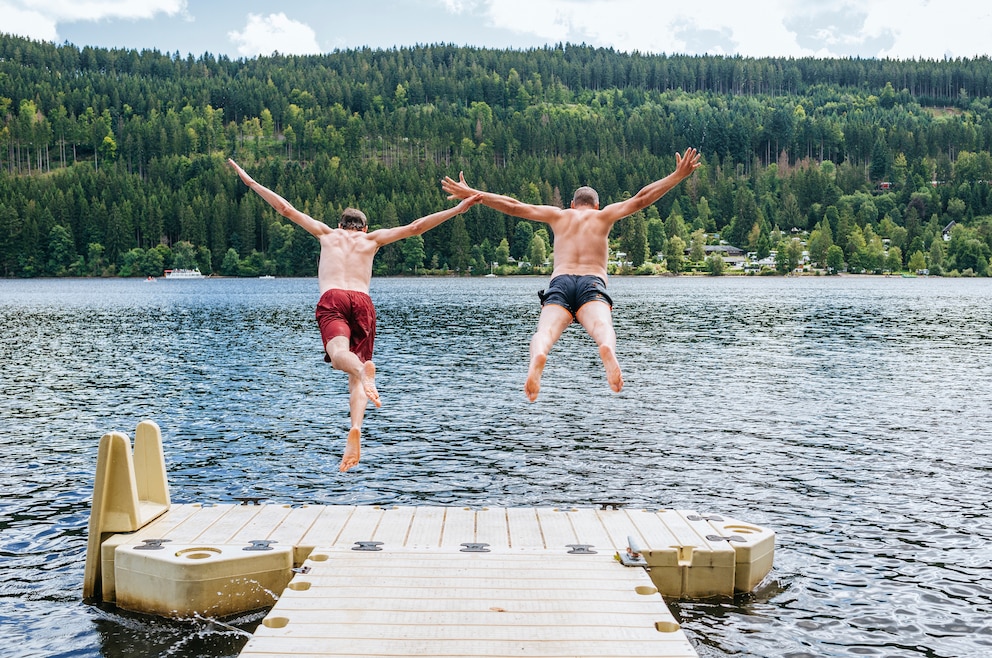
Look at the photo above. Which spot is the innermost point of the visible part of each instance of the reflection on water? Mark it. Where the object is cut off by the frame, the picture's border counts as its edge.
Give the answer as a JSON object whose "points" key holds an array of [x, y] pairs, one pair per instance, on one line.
{"points": [[849, 415]]}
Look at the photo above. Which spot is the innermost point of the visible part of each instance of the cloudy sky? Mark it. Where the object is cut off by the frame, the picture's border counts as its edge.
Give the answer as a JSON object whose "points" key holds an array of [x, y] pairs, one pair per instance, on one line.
{"points": [[901, 29]]}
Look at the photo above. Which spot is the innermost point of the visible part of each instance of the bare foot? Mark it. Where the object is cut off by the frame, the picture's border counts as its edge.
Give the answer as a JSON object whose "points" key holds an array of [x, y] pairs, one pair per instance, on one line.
{"points": [[368, 383], [533, 385], [613, 374], [352, 449]]}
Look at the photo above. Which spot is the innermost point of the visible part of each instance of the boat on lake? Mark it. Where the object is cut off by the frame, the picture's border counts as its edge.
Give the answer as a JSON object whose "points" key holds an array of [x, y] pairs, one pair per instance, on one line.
{"points": [[184, 274]]}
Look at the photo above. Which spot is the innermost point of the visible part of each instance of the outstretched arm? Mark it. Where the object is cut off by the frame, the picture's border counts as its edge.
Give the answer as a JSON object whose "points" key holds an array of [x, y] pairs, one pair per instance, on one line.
{"points": [[460, 190], [684, 166], [384, 236], [283, 207]]}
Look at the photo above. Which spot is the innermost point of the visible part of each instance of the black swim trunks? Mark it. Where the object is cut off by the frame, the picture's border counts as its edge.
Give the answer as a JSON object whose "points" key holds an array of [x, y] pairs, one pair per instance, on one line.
{"points": [[572, 291]]}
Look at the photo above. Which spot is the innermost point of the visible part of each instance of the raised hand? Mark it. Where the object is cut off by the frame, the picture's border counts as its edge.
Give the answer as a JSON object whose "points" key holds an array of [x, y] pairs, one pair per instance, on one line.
{"points": [[457, 189], [686, 164]]}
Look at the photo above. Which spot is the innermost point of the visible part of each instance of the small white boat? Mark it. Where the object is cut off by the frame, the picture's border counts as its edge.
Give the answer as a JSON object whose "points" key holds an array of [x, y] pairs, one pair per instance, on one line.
{"points": [[266, 277], [184, 274]]}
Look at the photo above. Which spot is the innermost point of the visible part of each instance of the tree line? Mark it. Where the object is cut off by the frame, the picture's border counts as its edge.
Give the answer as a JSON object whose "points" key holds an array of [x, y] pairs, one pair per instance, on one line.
{"points": [[112, 162]]}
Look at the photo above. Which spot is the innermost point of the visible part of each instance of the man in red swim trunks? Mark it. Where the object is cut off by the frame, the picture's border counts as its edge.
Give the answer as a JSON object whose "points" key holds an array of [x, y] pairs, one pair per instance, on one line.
{"points": [[577, 291], [345, 312]]}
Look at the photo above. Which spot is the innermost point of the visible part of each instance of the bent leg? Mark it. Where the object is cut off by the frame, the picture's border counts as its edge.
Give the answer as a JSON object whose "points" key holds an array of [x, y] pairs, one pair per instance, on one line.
{"points": [[553, 321], [368, 383], [597, 319], [343, 359]]}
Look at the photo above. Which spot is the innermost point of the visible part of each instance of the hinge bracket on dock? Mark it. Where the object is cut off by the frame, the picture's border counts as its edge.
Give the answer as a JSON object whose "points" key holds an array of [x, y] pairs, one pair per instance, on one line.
{"points": [[259, 545], [730, 538], [580, 549], [151, 545], [367, 546], [612, 504], [475, 547], [254, 500], [710, 517]]}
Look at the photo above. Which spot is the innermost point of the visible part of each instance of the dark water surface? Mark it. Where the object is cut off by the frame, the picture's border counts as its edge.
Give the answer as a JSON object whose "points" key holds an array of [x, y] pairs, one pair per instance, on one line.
{"points": [[850, 415]]}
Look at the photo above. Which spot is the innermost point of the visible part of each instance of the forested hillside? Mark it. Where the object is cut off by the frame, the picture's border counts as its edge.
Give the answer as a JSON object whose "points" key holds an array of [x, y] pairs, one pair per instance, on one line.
{"points": [[112, 162]]}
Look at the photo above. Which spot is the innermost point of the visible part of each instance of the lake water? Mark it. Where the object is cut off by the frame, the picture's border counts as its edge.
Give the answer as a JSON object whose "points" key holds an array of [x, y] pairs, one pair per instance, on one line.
{"points": [[850, 415]]}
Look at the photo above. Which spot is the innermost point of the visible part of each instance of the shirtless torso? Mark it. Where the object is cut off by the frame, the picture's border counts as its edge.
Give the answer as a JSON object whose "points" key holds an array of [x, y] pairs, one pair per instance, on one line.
{"points": [[345, 263], [346, 259], [581, 241], [581, 235]]}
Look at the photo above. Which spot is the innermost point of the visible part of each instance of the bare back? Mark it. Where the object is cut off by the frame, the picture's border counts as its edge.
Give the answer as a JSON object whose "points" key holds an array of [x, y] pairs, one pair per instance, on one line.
{"points": [[345, 260], [581, 241], [582, 231]]}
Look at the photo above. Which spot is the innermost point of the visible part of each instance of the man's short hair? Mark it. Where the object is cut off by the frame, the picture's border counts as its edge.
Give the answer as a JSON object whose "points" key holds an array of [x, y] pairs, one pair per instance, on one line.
{"points": [[585, 196], [353, 219]]}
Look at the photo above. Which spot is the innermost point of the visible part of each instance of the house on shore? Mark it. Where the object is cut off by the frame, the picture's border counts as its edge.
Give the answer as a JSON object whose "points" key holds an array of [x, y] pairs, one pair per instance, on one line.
{"points": [[732, 256]]}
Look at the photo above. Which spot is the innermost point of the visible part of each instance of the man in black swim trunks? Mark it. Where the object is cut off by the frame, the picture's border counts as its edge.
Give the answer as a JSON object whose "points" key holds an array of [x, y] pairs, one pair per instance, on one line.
{"points": [[578, 282]]}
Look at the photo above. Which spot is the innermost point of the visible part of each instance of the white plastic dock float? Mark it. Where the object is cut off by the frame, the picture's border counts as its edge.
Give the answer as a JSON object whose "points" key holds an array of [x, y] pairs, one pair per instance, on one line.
{"points": [[415, 603], [405, 581]]}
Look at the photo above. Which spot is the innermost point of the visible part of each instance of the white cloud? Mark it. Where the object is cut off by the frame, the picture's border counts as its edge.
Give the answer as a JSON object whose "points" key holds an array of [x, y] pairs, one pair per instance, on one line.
{"points": [[548, 19], [644, 25], [264, 35], [454, 6], [94, 10], [39, 19], [27, 23], [781, 28], [929, 29]]}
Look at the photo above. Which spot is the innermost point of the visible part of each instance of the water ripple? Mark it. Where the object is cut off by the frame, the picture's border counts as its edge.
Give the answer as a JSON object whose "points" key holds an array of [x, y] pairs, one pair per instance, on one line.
{"points": [[849, 415]]}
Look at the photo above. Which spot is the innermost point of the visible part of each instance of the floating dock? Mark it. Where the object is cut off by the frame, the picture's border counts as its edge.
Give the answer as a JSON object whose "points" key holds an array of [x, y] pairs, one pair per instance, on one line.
{"points": [[411, 581]]}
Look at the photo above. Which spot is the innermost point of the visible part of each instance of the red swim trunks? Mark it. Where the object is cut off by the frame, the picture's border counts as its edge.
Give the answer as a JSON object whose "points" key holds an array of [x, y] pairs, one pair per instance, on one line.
{"points": [[347, 313]]}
